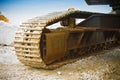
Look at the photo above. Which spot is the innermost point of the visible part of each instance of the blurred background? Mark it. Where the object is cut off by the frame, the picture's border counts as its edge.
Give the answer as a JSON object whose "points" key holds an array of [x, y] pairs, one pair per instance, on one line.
{"points": [[18, 11]]}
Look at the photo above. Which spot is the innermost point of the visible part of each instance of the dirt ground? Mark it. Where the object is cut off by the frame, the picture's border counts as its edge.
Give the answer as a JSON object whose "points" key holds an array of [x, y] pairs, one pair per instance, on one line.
{"points": [[103, 65]]}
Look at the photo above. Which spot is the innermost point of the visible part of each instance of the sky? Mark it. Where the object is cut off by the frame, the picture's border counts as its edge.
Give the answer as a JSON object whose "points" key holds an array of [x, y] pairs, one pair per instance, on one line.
{"points": [[18, 11]]}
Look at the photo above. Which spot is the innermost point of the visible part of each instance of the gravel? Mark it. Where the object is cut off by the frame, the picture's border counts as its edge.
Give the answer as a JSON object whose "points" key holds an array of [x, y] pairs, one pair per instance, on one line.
{"points": [[103, 65]]}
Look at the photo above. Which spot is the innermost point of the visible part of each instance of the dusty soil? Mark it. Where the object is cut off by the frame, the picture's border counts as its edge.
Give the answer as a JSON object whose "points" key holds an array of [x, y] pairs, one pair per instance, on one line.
{"points": [[103, 65]]}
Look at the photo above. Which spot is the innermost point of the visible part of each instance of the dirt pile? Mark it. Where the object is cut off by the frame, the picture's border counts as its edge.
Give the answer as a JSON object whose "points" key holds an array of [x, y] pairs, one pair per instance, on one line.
{"points": [[7, 55], [7, 33]]}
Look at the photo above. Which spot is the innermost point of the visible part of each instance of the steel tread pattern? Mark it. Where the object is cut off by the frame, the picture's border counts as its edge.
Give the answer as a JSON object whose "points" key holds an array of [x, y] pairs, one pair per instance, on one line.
{"points": [[29, 35]]}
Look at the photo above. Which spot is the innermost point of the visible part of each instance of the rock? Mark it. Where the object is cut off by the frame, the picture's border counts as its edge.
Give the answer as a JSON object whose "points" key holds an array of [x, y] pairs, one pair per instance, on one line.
{"points": [[70, 73], [60, 73]]}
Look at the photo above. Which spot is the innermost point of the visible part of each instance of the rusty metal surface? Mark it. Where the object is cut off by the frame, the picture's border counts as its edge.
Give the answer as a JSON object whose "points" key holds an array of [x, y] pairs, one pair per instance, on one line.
{"points": [[102, 21], [56, 46], [39, 47]]}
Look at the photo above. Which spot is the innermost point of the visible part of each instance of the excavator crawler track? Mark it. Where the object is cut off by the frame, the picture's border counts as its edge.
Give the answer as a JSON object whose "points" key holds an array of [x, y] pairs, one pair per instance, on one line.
{"points": [[28, 41]]}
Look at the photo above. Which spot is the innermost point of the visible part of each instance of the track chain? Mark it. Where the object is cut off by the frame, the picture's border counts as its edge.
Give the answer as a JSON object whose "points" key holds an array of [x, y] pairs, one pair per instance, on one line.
{"points": [[28, 36]]}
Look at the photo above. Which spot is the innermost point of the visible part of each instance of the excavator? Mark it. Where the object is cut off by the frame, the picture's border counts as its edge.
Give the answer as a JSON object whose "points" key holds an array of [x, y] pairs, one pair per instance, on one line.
{"points": [[3, 18], [38, 46]]}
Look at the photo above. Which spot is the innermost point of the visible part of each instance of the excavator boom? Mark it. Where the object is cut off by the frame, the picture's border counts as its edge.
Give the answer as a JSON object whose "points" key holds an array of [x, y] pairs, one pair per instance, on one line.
{"points": [[3, 18]]}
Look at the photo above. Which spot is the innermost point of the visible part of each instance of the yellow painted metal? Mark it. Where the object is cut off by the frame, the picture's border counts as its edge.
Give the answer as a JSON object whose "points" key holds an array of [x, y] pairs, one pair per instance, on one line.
{"points": [[3, 18]]}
